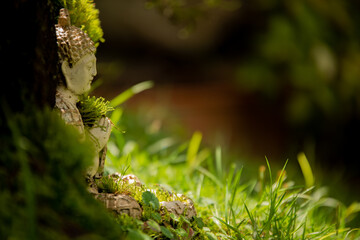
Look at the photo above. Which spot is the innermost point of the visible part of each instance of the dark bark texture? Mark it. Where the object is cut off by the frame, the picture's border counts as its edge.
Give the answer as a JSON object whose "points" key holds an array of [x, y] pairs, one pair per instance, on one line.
{"points": [[28, 50]]}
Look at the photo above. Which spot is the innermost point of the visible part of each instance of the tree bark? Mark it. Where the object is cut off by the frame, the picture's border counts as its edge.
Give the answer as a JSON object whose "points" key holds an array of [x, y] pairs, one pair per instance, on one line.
{"points": [[28, 50]]}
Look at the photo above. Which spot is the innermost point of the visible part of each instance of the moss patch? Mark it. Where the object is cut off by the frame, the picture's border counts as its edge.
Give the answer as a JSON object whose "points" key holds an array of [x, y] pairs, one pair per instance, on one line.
{"points": [[43, 191], [84, 15]]}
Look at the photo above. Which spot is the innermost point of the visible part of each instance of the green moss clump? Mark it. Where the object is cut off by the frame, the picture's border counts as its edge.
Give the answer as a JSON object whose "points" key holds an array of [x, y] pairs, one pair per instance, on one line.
{"points": [[109, 184], [92, 109], [43, 190], [84, 15], [156, 222]]}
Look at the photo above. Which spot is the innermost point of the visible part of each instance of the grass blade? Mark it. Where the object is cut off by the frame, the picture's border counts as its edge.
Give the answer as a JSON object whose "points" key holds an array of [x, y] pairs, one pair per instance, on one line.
{"points": [[122, 97], [194, 145], [306, 169]]}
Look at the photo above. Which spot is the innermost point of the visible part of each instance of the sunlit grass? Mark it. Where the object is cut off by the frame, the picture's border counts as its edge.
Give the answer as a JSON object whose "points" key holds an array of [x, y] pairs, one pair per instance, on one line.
{"points": [[266, 206]]}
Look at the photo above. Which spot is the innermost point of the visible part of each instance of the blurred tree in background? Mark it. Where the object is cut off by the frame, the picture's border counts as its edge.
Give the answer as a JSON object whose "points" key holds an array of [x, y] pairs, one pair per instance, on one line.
{"points": [[295, 65], [185, 14], [306, 55], [302, 56], [299, 61]]}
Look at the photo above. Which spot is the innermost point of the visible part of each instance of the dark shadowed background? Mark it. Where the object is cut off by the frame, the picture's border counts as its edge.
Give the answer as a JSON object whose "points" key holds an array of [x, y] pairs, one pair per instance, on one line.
{"points": [[259, 78]]}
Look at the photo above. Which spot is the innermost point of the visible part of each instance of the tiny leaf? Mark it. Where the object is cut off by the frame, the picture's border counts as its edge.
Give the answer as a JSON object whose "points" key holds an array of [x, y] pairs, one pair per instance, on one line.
{"points": [[184, 219], [153, 225], [167, 233], [174, 217], [156, 216], [211, 236], [149, 199], [181, 232], [137, 235], [199, 222]]}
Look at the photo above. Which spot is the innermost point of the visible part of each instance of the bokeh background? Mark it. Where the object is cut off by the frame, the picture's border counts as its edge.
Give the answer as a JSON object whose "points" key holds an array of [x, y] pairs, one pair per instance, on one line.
{"points": [[259, 78]]}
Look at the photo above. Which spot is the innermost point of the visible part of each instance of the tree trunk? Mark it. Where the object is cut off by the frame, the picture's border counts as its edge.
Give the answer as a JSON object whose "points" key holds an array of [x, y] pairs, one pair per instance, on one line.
{"points": [[28, 50]]}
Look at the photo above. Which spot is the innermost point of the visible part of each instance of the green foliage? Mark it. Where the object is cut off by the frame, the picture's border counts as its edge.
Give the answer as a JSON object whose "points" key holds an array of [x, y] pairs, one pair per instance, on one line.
{"points": [[92, 109], [121, 98], [156, 222], [43, 190], [149, 199], [44, 193], [84, 15], [228, 206], [303, 53], [186, 13], [110, 184]]}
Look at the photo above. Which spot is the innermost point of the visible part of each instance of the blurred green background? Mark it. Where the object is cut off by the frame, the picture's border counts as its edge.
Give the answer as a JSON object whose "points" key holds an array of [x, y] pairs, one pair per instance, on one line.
{"points": [[258, 78]]}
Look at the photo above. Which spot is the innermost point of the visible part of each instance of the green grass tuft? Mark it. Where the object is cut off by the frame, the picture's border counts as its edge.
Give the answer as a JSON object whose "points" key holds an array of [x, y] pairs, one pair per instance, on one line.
{"points": [[229, 206]]}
